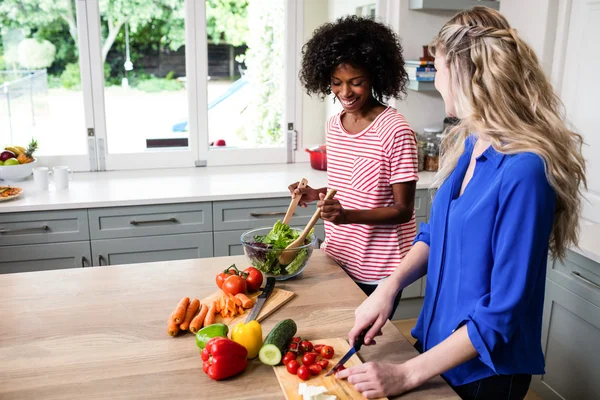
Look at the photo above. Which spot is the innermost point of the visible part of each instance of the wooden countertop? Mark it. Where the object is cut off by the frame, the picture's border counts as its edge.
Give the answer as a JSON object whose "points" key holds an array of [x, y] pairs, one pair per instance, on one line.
{"points": [[100, 333]]}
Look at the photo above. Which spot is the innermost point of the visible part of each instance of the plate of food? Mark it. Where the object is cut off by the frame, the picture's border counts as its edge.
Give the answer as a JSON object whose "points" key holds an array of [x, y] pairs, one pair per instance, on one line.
{"points": [[9, 192]]}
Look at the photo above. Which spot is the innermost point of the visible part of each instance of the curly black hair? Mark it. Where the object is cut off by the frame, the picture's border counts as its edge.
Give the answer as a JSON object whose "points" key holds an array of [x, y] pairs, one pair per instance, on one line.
{"points": [[360, 42]]}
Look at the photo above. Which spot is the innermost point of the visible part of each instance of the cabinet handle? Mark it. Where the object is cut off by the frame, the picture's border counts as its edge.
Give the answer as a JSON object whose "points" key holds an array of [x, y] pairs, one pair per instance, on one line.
{"points": [[268, 214], [83, 261], [100, 258], [42, 228], [584, 279], [154, 221]]}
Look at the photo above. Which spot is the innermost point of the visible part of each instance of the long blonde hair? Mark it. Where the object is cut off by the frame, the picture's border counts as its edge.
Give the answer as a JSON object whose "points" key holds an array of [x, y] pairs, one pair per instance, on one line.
{"points": [[501, 92]]}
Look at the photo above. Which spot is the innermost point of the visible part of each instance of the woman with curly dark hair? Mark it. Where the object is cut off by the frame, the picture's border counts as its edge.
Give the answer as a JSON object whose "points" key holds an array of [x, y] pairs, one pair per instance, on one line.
{"points": [[371, 149]]}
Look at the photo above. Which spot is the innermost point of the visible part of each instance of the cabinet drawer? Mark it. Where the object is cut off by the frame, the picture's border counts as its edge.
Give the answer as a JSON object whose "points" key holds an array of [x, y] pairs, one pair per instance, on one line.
{"points": [[152, 249], [121, 222], [421, 203], [44, 257], [571, 344], [43, 227], [577, 274], [250, 214]]}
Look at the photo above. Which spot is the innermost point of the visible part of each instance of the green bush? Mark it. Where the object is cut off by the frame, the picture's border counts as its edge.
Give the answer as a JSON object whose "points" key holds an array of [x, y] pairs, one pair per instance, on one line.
{"points": [[36, 54], [71, 76], [159, 85]]}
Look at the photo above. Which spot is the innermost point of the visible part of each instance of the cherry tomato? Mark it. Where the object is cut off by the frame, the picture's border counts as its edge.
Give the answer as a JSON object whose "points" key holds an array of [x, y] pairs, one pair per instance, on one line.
{"points": [[289, 356], [303, 372], [296, 339], [234, 284], [315, 369], [306, 346], [254, 279], [318, 347], [293, 347], [292, 367], [221, 276], [340, 368], [327, 352], [309, 358], [322, 363]]}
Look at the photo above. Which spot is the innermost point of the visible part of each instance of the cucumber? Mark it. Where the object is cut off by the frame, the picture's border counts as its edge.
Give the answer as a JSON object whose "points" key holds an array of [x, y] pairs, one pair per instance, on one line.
{"points": [[275, 344]]}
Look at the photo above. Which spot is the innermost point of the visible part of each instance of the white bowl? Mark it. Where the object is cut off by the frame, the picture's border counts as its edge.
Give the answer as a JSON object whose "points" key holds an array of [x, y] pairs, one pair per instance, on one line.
{"points": [[13, 173]]}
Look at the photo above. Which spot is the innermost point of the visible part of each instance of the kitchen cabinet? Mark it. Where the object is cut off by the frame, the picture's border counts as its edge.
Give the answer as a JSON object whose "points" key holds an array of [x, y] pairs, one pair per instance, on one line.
{"points": [[43, 257], [416, 288], [452, 5], [43, 227], [152, 249]]}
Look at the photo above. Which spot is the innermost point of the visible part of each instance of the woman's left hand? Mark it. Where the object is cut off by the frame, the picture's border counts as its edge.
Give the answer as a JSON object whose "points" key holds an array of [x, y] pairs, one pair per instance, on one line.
{"points": [[375, 380], [332, 210]]}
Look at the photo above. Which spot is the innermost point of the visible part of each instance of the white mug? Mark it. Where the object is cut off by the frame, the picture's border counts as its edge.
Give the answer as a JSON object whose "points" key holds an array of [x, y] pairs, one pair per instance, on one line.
{"points": [[62, 176], [40, 177]]}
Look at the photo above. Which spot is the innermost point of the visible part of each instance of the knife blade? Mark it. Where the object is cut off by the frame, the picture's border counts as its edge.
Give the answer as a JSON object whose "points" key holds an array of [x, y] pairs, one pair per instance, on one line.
{"points": [[261, 299], [360, 340]]}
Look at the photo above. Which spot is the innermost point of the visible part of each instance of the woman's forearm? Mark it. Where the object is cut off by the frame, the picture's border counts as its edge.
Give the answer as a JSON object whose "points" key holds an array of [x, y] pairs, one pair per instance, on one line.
{"points": [[412, 267], [396, 214]]}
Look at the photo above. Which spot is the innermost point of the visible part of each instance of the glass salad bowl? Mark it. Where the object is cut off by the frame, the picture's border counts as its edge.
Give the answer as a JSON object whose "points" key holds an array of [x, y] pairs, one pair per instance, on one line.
{"points": [[265, 256]]}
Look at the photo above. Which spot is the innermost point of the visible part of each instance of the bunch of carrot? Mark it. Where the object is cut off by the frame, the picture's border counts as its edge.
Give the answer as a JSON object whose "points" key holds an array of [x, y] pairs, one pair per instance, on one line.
{"points": [[192, 315]]}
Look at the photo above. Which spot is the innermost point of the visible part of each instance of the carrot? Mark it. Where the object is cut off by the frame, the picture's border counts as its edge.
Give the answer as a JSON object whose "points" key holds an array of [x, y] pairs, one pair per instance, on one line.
{"points": [[179, 313], [236, 300], [210, 315], [240, 309], [246, 301], [198, 320], [173, 328], [190, 313]]}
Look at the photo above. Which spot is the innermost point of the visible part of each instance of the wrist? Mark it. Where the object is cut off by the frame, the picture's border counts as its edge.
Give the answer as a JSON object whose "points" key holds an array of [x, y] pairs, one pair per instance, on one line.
{"points": [[350, 217], [416, 372]]}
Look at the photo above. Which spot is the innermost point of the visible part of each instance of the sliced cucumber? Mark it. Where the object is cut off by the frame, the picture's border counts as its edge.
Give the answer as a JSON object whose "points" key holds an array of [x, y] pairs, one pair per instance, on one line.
{"points": [[270, 354]]}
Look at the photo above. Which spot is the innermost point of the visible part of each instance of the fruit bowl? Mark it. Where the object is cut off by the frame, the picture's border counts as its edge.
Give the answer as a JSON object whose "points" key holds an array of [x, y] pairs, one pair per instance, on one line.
{"points": [[266, 259], [19, 172]]}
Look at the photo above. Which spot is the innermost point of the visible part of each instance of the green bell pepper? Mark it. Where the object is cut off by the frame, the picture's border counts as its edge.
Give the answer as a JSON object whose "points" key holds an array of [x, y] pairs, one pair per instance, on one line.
{"points": [[209, 332]]}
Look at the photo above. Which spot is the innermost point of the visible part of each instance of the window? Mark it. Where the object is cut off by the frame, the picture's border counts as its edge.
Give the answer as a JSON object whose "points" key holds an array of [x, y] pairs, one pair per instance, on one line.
{"points": [[110, 84]]}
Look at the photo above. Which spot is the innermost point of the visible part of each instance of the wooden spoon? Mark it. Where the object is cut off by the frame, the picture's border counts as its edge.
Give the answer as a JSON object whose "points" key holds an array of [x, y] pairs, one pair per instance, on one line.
{"points": [[295, 200], [290, 252]]}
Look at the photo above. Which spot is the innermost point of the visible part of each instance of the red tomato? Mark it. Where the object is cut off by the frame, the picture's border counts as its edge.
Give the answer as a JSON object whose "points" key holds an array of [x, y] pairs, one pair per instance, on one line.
{"points": [[327, 352], [293, 347], [292, 367], [306, 346], [318, 347], [296, 339], [221, 276], [340, 368], [254, 279], [289, 356], [303, 372], [234, 284], [309, 358], [315, 369], [322, 363]]}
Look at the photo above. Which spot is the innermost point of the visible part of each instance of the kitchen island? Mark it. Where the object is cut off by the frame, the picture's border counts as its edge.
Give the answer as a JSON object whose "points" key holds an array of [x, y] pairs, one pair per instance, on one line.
{"points": [[98, 333]]}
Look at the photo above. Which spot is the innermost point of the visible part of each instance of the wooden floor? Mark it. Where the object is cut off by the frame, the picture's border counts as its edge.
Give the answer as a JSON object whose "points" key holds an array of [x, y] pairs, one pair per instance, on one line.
{"points": [[406, 325]]}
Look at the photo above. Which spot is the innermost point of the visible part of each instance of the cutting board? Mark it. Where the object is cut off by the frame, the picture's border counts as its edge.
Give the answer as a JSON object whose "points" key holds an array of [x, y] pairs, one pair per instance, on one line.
{"points": [[337, 387], [277, 299]]}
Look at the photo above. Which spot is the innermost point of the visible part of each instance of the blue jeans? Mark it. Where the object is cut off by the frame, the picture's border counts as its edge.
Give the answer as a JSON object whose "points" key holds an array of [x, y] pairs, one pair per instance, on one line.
{"points": [[497, 387]]}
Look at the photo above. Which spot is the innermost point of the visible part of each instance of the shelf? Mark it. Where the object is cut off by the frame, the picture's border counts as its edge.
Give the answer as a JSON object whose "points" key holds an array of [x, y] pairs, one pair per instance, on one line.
{"points": [[453, 5], [421, 86]]}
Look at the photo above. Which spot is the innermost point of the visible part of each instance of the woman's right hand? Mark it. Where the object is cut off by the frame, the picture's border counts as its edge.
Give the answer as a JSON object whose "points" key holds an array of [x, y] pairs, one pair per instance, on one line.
{"points": [[374, 311], [308, 194]]}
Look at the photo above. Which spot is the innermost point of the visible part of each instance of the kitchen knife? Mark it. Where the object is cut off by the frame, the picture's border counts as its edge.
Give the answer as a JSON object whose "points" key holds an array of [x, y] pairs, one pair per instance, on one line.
{"points": [[261, 299], [360, 340]]}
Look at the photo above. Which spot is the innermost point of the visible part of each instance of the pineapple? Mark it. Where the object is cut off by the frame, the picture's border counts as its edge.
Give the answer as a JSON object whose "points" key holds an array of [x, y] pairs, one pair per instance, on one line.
{"points": [[27, 156]]}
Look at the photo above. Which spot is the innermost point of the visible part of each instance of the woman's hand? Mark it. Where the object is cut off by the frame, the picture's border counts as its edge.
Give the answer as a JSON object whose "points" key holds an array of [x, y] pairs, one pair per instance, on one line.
{"points": [[332, 210], [375, 380], [374, 312], [308, 194]]}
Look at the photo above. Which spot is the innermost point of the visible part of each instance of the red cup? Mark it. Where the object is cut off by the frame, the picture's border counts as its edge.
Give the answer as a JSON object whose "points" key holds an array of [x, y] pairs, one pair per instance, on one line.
{"points": [[318, 157]]}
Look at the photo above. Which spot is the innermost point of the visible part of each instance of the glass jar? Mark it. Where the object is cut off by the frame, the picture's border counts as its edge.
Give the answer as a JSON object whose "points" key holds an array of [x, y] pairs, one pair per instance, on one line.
{"points": [[421, 149], [432, 156]]}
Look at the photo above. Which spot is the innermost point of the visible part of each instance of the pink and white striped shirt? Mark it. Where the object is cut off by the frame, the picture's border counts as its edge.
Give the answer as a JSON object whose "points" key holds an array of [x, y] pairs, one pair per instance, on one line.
{"points": [[362, 168]]}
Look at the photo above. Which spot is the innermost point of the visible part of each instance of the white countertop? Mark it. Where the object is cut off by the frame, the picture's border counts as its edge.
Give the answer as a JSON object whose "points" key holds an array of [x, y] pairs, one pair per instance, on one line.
{"points": [[165, 186], [589, 241]]}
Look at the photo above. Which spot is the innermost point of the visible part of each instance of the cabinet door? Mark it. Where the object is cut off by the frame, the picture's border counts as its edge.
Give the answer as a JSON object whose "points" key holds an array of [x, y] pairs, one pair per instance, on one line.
{"points": [[44, 257], [415, 289], [152, 249], [571, 344]]}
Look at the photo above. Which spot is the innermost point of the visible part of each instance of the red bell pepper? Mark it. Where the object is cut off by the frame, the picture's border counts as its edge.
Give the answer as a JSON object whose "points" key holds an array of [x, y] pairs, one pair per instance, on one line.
{"points": [[223, 358]]}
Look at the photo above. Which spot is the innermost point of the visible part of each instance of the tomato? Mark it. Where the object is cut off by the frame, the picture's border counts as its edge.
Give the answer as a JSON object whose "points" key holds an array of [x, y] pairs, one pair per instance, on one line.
{"points": [[221, 276], [318, 347], [315, 369], [293, 347], [292, 367], [309, 358], [289, 356], [306, 346], [340, 368], [327, 352], [303, 372], [296, 339], [234, 284], [322, 363], [254, 279]]}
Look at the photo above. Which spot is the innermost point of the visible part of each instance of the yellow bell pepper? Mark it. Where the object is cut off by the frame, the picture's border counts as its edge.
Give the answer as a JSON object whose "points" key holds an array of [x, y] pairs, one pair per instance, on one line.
{"points": [[248, 335]]}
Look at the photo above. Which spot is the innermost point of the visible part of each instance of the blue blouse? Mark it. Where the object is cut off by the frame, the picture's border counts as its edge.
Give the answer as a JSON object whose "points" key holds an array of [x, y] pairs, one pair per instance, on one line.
{"points": [[487, 263]]}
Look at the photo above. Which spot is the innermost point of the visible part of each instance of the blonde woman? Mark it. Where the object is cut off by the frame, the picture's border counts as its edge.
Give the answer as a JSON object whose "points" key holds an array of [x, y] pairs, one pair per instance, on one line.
{"points": [[509, 192]]}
